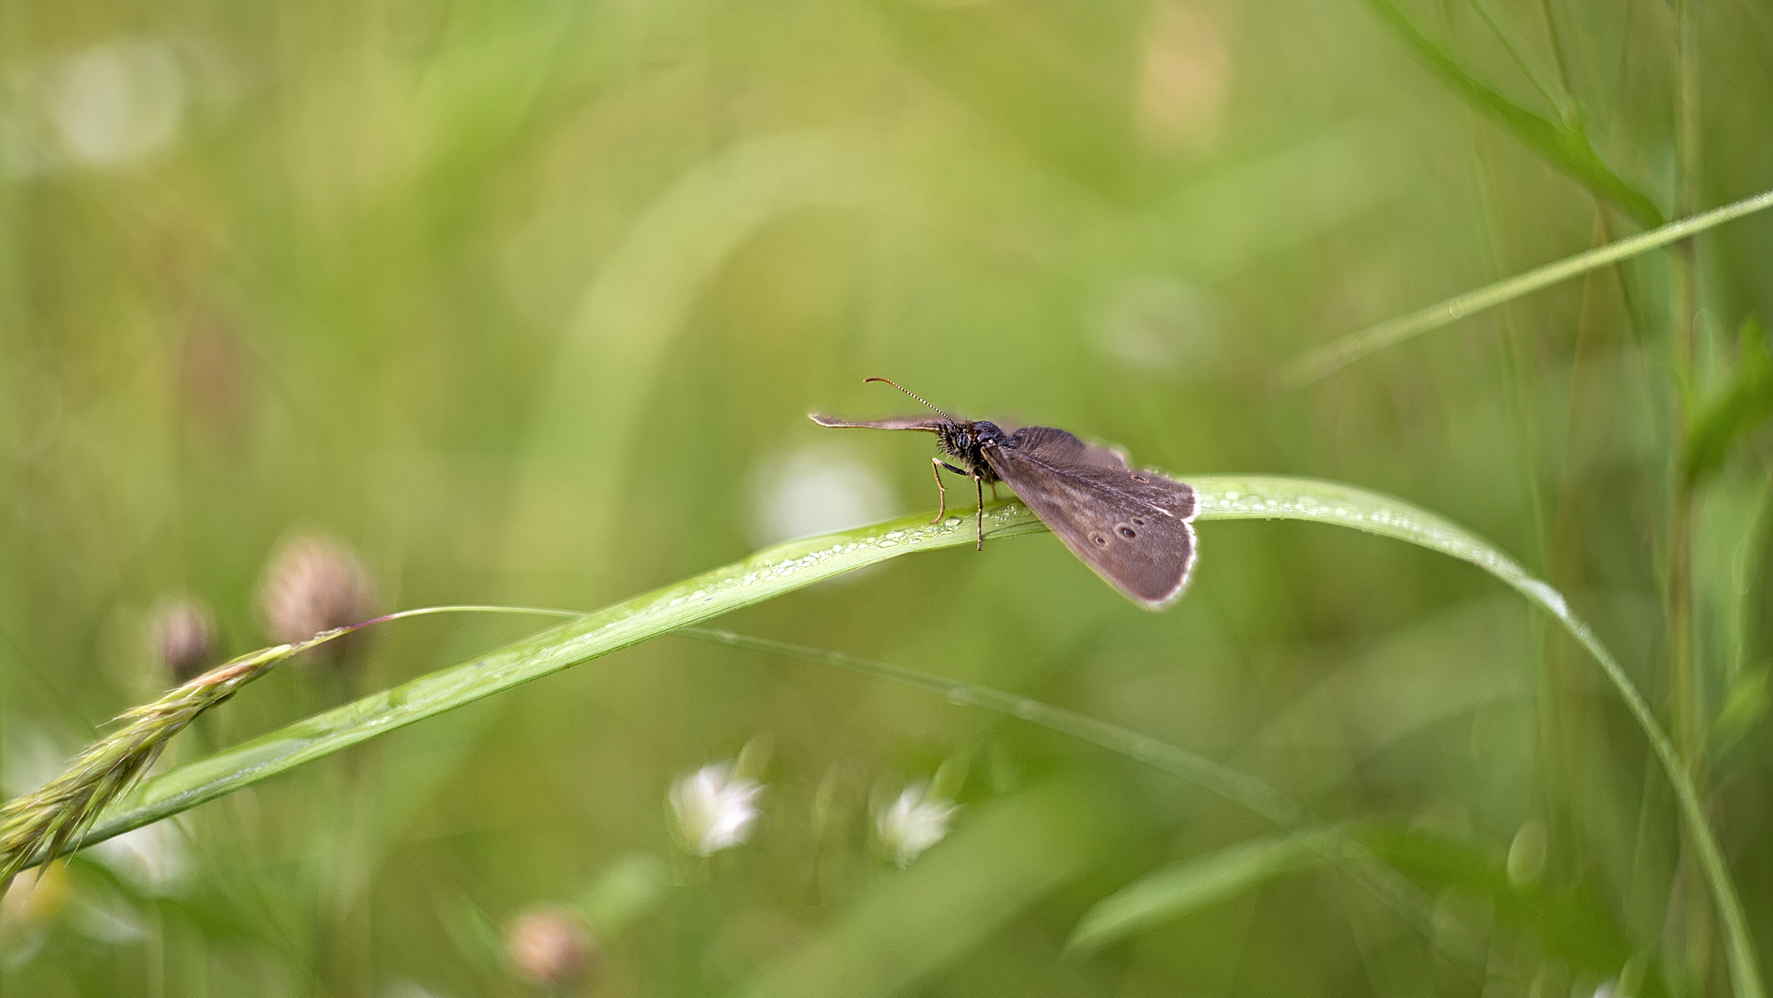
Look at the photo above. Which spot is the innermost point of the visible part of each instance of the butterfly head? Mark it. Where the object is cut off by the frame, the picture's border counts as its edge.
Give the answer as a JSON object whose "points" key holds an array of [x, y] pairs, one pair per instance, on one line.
{"points": [[967, 440]]}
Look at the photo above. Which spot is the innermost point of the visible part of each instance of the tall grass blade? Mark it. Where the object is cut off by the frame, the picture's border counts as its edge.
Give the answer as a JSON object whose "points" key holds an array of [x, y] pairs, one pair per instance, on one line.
{"points": [[1565, 147], [1325, 360]]}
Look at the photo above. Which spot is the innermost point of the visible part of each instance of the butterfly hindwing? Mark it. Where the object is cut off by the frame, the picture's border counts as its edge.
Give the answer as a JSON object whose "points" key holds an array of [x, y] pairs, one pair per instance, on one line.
{"points": [[1131, 527]]}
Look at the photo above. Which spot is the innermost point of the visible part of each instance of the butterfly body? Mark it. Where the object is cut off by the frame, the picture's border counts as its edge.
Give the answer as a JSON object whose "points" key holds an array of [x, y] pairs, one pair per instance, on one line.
{"points": [[1130, 526]]}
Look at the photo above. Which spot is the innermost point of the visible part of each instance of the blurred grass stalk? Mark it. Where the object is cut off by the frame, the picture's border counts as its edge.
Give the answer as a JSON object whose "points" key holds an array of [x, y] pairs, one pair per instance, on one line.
{"points": [[1326, 360], [1686, 699], [89, 797]]}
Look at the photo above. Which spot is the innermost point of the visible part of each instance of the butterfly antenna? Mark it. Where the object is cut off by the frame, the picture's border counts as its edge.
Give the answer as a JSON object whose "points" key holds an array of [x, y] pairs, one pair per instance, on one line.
{"points": [[907, 391]]}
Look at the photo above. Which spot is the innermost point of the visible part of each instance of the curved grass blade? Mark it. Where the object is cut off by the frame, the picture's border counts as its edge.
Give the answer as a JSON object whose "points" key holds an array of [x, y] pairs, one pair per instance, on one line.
{"points": [[1198, 882], [786, 567], [1563, 146], [1319, 363]]}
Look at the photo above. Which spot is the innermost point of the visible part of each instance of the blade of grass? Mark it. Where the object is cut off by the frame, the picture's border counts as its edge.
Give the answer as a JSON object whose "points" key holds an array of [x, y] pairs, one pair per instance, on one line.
{"points": [[1197, 882], [1325, 360], [1565, 147], [786, 567]]}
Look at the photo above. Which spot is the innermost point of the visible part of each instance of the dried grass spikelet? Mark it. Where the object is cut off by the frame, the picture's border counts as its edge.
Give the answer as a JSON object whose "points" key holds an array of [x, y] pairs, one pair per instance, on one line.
{"points": [[51, 820]]}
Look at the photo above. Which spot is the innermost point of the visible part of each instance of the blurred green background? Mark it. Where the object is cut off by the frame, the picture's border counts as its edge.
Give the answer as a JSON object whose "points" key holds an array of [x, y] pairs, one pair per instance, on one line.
{"points": [[526, 302]]}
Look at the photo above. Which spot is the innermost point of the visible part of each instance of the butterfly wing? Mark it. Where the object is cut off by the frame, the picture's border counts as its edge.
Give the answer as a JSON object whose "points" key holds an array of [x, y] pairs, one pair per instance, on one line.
{"points": [[895, 423], [1131, 527]]}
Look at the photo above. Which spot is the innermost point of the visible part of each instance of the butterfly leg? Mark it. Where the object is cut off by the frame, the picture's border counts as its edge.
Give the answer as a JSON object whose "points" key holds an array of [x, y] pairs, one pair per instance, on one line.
{"points": [[979, 487], [993, 491], [936, 466]]}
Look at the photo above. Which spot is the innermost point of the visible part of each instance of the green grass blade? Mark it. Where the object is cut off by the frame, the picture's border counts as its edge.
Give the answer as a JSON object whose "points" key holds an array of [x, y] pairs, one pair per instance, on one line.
{"points": [[784, 568], [1564, 147], [1198, 882], [1327, 359]]}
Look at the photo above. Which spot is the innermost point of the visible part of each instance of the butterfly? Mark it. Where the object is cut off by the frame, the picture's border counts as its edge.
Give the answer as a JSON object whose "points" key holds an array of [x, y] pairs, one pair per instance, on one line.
{"points": [[1130, 526]]}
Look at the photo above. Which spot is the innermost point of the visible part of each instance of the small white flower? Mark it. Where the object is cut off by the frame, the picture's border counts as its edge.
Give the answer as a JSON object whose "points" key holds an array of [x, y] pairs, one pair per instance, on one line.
{"points": [[913, 823], [117, 103], [714, 809]]}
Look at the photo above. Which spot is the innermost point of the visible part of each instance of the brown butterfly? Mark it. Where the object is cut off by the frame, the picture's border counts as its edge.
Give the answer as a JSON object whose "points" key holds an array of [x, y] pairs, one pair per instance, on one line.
{"points": [[1130, 526]]}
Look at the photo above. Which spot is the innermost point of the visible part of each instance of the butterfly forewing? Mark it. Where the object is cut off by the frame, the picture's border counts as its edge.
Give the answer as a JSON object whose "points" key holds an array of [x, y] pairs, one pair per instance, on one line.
{"points": [[1130, 526], [894, 423]]}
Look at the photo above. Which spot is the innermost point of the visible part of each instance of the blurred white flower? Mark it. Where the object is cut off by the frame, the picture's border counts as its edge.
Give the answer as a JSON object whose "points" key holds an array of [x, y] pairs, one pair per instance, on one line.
{"points": [[913, 823], [33, 758], [117, 103], [714, 808], [816, 490], [152, 857], [406, 987], [1155, 322]]}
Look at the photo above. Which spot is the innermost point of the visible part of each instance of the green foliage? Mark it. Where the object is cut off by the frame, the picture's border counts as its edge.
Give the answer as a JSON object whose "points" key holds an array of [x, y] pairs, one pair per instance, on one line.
{"points": [[1569, 922]]}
